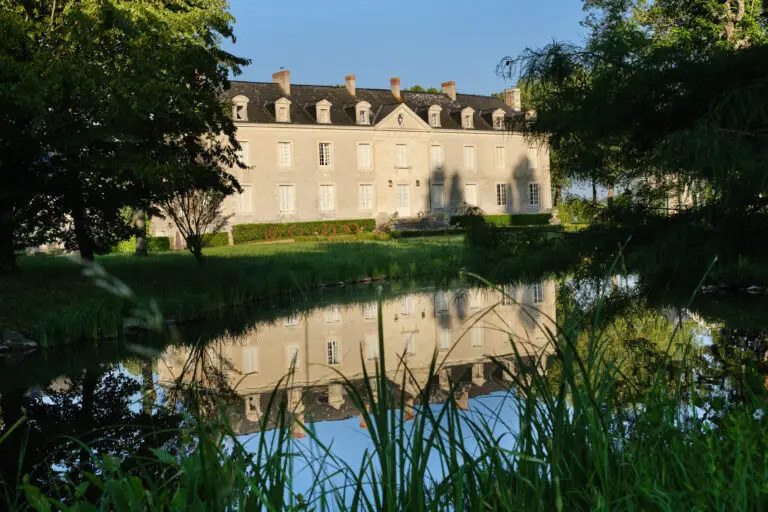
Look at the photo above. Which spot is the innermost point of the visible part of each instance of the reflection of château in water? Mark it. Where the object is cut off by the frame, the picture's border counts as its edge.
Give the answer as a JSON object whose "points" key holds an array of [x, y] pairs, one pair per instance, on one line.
{"points": [[464, 327]]}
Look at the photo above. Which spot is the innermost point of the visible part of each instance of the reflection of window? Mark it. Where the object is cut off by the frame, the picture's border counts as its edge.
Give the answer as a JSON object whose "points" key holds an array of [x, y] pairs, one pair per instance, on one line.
{"points": [[251, 360], [292, 320], [293, 356], [437, 196], [333, 352], [475, 299], [372, 345], [408, 343], [477, 336], [370, 311], [333, 315], [507, 295], [444, 339], [441, 302], [408, 305], [538, 293]]}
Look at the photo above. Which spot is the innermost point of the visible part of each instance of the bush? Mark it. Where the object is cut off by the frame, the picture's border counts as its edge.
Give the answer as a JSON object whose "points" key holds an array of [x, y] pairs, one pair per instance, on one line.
{"points": [[219, 239], [154, 244], [244, 233], [577, 210], [502, 221]]}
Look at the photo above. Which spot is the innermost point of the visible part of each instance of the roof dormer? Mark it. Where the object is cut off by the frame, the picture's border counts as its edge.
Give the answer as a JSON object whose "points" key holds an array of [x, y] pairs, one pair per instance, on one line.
{"points": [[468, 118], [363, 112], [240, 108], [283, 110], [323, 111], [433, 116], [498, 119]]}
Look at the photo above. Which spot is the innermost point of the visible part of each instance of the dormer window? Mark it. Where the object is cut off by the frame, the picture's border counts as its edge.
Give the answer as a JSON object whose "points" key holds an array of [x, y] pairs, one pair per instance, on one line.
{"points": [[240, 108], [363, 109], [283, 110], [323, 111], [467, 118], [498, 119], [434, 116]]}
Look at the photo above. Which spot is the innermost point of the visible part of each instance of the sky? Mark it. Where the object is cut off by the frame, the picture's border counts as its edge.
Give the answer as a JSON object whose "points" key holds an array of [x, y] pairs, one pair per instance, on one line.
{"points": [[424, 42]]}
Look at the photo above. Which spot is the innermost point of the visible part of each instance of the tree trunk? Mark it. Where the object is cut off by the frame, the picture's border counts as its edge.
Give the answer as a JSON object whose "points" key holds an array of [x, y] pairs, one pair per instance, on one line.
{"points": [[148, 387], [558, 195], [594, 192], [7, 254], [140, 231], [610, 194], [84, 242]]}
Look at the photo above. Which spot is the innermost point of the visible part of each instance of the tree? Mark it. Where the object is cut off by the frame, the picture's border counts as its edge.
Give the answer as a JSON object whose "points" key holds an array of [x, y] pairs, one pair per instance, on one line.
{"points": [[196, 213], [123, 88]]}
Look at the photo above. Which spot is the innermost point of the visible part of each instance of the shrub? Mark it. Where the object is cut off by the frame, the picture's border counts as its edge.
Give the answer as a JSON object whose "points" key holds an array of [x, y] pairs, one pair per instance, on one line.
{"points": [[244, 233], [577, 210], [502, 221], [154, 244], [219, 239]]}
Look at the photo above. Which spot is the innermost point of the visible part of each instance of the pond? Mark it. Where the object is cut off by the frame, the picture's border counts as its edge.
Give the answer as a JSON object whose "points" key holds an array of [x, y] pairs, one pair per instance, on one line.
{"points": [[315, 352]]}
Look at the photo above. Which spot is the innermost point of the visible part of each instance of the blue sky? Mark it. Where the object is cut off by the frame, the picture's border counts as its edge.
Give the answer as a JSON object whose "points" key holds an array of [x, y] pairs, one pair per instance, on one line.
{"points": [[423, 42]]}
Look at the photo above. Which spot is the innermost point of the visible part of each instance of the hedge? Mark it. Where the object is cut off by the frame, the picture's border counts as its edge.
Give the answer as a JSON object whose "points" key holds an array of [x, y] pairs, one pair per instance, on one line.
{"points": [[154, 244], [244, 233], [216, 239], [502, 221]]}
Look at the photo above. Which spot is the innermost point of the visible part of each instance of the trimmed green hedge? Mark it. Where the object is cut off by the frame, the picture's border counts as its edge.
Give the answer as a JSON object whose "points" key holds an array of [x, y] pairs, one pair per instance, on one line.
{"points": [[154, 244], [244, 233], [216, 239], [503, 221]]}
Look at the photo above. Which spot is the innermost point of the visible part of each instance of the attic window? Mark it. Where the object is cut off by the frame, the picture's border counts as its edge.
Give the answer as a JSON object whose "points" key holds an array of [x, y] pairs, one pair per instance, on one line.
{"points": [[283, 110], [363, 109], [434, 116], [498, 120], [240, 108], [323, 112], [282, 114], [467, 118]]}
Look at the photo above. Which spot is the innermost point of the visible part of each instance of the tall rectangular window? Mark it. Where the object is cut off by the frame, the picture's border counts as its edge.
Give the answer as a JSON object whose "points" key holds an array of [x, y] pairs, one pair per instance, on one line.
{"points": [[372, 345], [333, 352], [434, 119], [501, 194], [250, 360], [408, 343], [287, 195], [327, 202], [292, 321], [285, 154], [470, 194], [245, 199], [501, 157], [364, 157], [365, 196], [477, 336], [533, 195], [436, 156], [293, 356], [444, 338], [408, 305], [469, 158], [324, 154], [533, 157], [441, 302], [332, 315], [362, 117], [401, 152], [538, 293], [282, 114], [242, 153], [370, 311], [437, 196]]}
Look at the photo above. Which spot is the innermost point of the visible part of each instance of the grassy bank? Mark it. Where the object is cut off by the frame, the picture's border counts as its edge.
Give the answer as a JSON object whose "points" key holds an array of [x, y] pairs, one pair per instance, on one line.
{"points": [[53, 303]]}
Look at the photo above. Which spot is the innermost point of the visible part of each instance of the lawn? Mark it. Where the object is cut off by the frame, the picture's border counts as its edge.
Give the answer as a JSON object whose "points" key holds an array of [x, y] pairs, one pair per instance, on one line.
{"points": [[52, 302]]}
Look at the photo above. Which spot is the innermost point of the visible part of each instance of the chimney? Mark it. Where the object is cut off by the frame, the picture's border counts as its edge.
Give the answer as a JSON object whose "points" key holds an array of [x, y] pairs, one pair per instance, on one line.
{"points": [[449, 89], [394, 83], [512, 98], [283, 79], [350, 80]]}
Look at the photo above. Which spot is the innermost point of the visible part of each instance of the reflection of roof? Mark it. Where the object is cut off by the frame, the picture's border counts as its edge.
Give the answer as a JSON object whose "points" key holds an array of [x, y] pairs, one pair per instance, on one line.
{"points": [[262, 96]]}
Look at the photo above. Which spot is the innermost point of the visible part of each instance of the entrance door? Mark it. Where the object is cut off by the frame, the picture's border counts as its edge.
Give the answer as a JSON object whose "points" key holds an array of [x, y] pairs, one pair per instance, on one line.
{"points": [[403, 201]]}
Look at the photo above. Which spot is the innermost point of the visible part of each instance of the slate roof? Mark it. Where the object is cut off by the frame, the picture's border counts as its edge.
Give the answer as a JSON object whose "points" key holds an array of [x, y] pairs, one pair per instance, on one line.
{"points": [[262, 97]]}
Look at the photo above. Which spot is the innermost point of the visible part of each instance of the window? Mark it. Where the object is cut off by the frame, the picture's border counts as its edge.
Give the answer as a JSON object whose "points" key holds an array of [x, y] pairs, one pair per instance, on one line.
{"points": [[293, 356], [402, 155], [333, 352], [251, 360], [363, 109], [364, 157], [467, 121], [324, 154], [538, 293], [292, 321], [467, 118], [501, 157], [370, 311], [434, 119], [436, 196], [444, 338], [287, 195], [507, 295], [332, 315], [533, 157], [408, 344], [498, 122], [327, 203], [469, 158], [533, 195], [470, 194], [441, 302], [285, 154], [436, 156], [242, 154], [408, 305], [501, 194], [241, 113], [324, 114], [372, 345], [476, 333], [282, 114], [240, 108], [365, 196], [246, 199], [362, 117]]}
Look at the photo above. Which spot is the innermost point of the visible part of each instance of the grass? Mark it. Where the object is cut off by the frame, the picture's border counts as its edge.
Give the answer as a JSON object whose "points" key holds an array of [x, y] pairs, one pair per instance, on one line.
{"points": [[575, 447], [50, 301]]}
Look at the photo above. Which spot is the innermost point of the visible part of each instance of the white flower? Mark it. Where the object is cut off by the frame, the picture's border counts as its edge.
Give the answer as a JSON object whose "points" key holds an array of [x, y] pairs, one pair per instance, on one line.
{"points": [[758, 414]]}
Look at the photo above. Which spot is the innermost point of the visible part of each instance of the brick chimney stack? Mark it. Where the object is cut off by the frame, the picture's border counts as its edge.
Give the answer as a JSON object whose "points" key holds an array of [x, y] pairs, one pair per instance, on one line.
{"points": [[512, 99], [394, 83], [350, 81], [449, 89], [283, 79]]}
